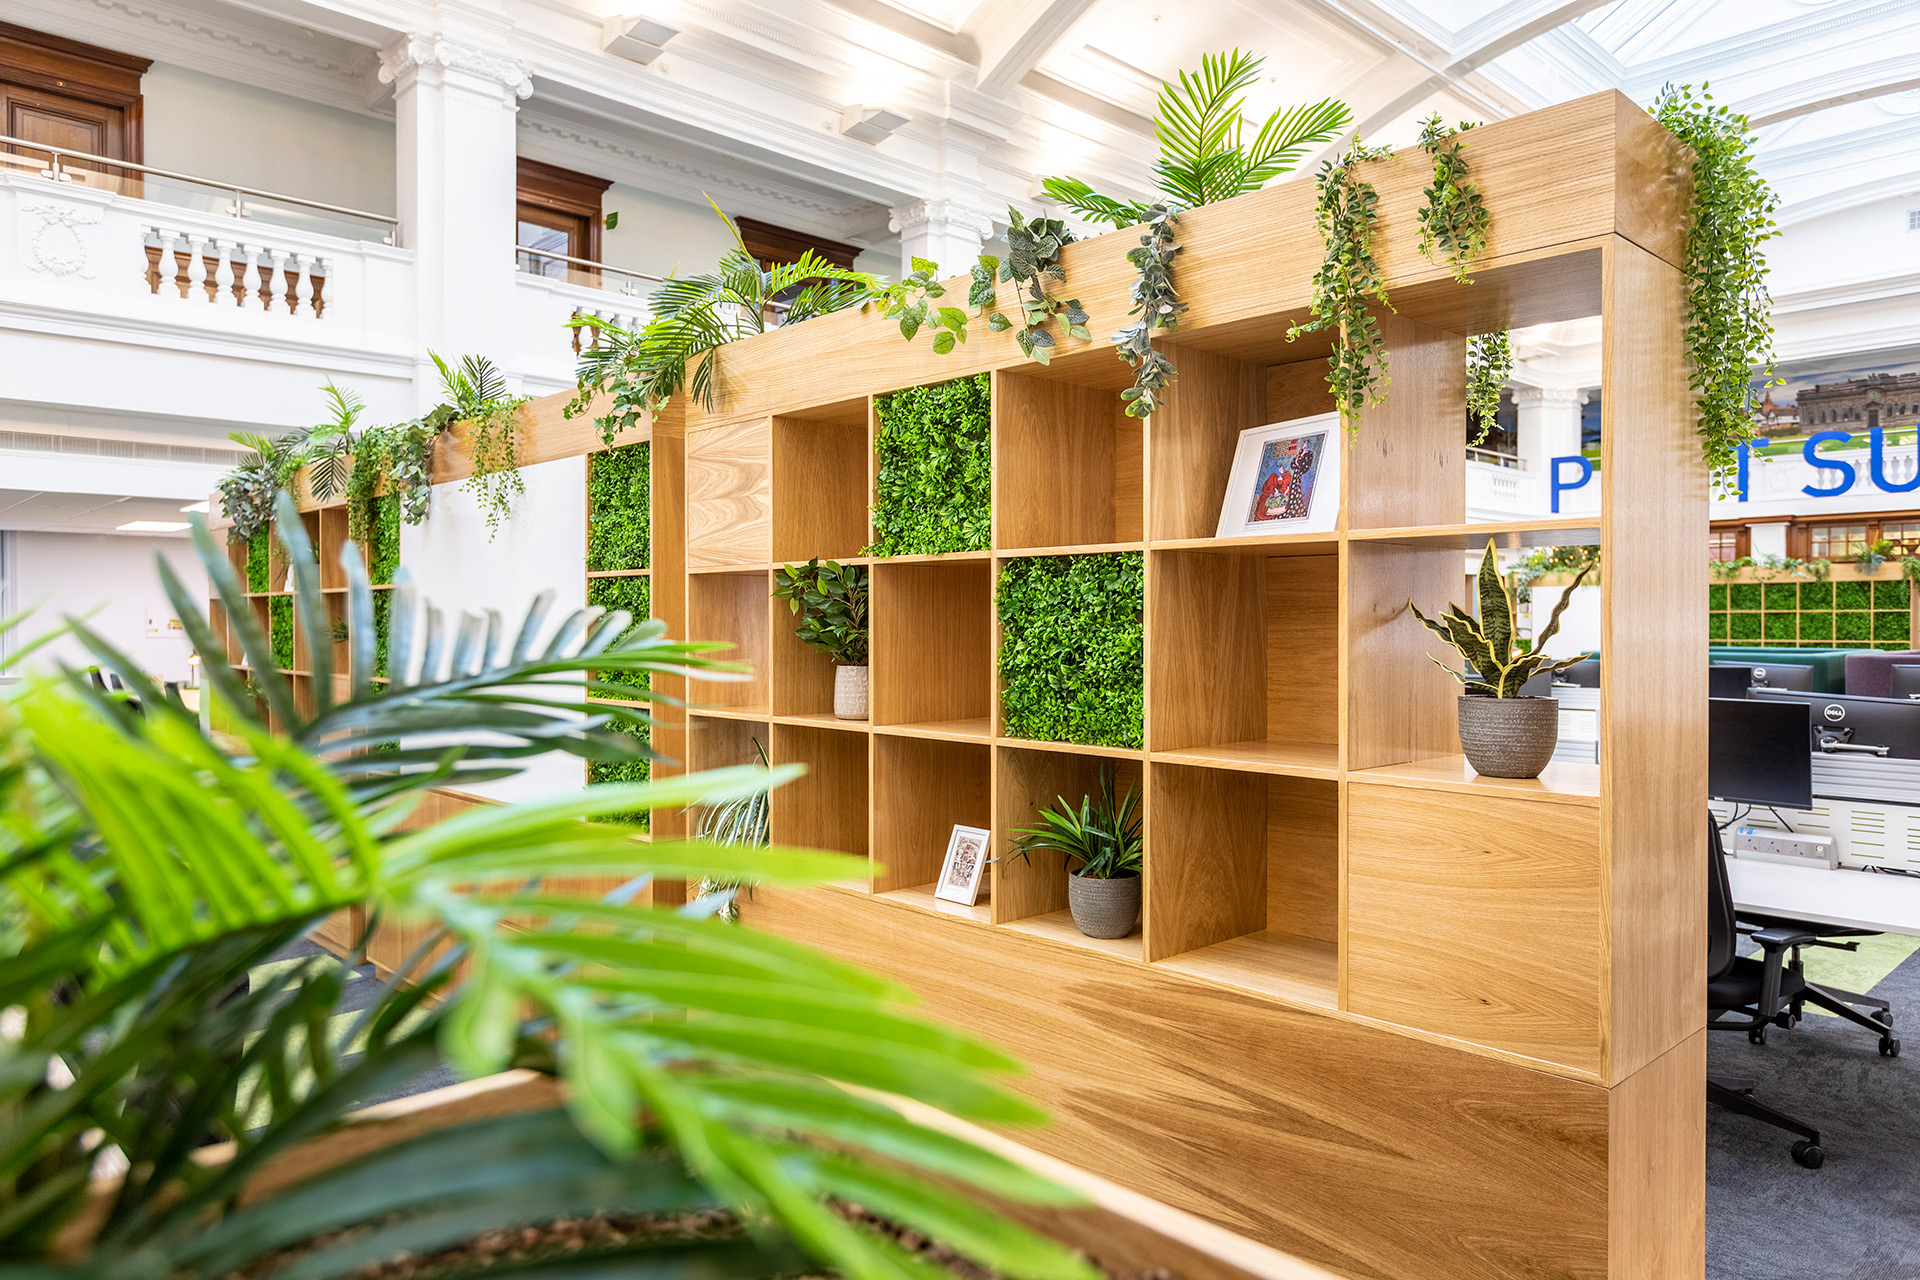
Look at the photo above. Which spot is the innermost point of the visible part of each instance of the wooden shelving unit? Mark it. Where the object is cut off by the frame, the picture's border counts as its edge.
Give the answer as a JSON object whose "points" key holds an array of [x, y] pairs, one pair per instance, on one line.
{"points": [[1380, 1012]]}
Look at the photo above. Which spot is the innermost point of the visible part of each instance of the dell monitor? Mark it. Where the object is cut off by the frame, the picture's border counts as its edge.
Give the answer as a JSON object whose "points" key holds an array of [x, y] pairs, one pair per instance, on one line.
{"points": [[1783, 675], [1843, 724], [1757, 752], [1728, 680], [1906, 682]]}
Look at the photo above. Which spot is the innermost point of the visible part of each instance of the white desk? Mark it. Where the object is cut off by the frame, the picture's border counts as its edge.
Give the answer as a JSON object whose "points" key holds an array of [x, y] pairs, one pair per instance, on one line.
{"points": [[1854, 899]]}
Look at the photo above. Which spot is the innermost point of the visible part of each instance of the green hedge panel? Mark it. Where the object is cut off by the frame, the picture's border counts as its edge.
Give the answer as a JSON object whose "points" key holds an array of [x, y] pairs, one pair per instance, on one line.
{"points": [[1852, 628], [259, 548], [1717, 596], [1891, 626], [1852, 595], [382, 631], [383, 557], [1716, 626], [1781, 626], [933, 493], [1816, 595], [619, 484], [1782, 597], [1890, 595], [280, 630], [1743, 595], [635, 595], [1743, 626], [1816, 627], [623, 771], [1071, 648]]}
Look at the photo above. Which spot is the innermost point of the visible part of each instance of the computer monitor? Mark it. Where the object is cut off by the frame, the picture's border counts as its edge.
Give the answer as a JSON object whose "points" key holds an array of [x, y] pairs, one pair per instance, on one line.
{"points": [[1842, 724], [1906, 681], [1728, 680], [1783, 675], [1585, 673], [1757, 752]]}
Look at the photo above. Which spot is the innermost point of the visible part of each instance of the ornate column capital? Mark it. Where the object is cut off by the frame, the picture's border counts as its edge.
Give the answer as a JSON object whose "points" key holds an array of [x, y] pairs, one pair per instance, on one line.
{"points": [[942, 214], [411, 53], [1548, 397]]}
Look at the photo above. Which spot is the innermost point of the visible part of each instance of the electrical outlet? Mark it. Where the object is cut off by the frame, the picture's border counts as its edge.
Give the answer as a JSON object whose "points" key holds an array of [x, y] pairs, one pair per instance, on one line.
{"points": [[1763, 844]]}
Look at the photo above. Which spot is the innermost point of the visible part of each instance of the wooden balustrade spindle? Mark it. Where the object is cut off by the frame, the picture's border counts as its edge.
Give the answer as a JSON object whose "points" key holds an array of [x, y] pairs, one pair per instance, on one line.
{"points": [[223, 271], [196, 264]]}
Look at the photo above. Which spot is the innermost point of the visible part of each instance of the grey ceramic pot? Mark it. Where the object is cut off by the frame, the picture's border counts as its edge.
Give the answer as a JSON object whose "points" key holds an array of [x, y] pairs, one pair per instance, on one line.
{"points": [[1104, 908], [1508, 737]]}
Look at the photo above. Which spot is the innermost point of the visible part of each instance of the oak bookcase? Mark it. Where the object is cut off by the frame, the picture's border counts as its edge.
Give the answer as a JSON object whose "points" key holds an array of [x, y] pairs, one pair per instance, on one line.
{"points": [[1380, 1013]]}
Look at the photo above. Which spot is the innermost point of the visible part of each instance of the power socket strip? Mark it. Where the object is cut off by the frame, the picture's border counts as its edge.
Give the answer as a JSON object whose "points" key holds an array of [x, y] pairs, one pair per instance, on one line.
{"points": [[1762, 844]]}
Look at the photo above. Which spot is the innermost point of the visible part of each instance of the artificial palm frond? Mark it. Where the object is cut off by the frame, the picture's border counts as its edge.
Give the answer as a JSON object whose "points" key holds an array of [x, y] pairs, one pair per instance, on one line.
{"points": [[1204, 153], [1103, 835]]}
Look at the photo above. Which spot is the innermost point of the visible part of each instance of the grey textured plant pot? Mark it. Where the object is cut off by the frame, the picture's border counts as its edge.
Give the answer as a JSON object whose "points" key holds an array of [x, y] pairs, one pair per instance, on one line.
{"points": [[1508, 737], [850, 693], [1104, 908]]}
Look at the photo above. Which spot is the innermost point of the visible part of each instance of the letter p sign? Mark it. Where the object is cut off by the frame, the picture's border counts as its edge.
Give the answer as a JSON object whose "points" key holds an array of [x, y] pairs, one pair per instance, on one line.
{"points": [[1560, 485]]}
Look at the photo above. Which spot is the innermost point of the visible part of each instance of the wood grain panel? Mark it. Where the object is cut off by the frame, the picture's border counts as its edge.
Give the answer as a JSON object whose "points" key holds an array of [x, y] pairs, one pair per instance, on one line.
{"points": [[801, 678], [1055, 462], [1206, 660], [1302, 606], [1190, 441], [734, 609], [1406, 465], [922, 789], [1129, 479], [826, 808], [1024, 783], [1476, 917], [931, 642], [729, 496], [1653, 184], [819, 489], [1206, 858], [1399, 705], [1297, 389], [1303, 858], [1653, 697], [667, 462], [1657, 1184], [1376, 1155]]}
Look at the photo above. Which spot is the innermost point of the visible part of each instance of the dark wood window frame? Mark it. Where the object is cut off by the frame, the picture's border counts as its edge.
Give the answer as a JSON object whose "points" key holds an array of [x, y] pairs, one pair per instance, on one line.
{"points": [[82, 72], [573, 195], [771, 245]]}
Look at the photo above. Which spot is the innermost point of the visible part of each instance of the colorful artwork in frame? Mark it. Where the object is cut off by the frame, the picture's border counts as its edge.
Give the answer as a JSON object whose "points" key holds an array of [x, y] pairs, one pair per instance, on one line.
{"points": [[1285, 479]]}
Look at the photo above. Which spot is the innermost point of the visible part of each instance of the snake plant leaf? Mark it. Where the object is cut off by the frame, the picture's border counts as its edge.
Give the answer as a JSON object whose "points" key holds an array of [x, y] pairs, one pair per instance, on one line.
{"points": [[1496, 606]]}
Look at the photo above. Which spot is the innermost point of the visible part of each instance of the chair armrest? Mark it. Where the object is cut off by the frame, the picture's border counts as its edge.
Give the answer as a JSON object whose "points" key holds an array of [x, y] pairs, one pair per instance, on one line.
{"points": [[1780, 937]]}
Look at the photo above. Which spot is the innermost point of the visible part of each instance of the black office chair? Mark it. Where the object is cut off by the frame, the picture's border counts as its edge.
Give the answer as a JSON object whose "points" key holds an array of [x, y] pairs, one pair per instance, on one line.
{"points": [[1747, 993], [1833, 999]]}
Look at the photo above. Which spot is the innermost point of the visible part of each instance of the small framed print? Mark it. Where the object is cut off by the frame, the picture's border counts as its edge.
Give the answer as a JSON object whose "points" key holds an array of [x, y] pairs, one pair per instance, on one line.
{"points": [[965, 863], [1285, 479]]}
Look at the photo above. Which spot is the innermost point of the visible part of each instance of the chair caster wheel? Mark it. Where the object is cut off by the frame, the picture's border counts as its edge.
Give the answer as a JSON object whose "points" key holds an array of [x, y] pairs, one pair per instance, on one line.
{"points": [[1809, 1155], [1889, 1048], [1882, 1016], [1757, 1036]]}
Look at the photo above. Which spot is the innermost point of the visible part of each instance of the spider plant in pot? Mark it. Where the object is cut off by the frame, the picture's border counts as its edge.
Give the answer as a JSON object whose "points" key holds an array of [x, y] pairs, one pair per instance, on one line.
{"points": [[1504, 733], [1103, 837], [831, 602]]}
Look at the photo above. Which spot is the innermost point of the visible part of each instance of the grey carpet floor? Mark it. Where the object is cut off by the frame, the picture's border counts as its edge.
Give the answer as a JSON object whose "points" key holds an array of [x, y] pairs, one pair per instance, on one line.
{"points": [[1858, 1216]]}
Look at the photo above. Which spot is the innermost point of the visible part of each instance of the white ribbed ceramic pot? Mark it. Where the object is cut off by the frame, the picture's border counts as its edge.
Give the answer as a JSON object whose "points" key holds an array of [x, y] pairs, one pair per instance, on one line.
{"points": [[850, 693]]}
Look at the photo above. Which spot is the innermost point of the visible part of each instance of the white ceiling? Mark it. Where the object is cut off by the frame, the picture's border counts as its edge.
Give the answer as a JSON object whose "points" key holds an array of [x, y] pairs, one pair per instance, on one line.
{"points": [[38, 511]]}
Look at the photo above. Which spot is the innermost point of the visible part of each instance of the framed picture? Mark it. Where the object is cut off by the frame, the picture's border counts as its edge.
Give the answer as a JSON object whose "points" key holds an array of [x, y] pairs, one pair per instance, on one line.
{"points": [[1285, 479], [965, 863]]}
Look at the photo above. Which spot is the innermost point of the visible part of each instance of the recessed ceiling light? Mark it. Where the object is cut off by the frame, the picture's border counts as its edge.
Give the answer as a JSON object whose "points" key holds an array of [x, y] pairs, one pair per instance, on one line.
{"points": [[152, 526], [202, 507]]}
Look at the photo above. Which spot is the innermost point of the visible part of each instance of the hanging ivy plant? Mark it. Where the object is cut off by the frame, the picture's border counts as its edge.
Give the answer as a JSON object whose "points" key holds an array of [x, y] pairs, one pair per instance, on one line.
{"points": [[1033, 258], [1729, 330], [1158, 306], [479, 396], [912, 301], [401, 457], [1489, 364], [1454, 220], [1345, 212]]}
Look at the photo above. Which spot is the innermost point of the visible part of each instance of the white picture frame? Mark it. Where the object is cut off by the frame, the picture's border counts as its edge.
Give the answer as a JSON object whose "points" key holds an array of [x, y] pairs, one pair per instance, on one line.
{"points": [[969, 849], [1285, 479]]}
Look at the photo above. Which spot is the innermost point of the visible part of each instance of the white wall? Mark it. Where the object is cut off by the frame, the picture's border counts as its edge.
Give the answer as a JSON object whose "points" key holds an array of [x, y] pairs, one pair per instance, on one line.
{"points": [[542, 546], [212, 128], [72, 573], [661, 235]]}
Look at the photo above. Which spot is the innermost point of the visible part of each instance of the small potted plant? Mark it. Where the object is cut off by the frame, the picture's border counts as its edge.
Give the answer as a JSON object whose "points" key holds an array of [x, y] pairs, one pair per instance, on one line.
{"points": [[1503, 733], [1103, 836], [1870, 560], [831, 602]]}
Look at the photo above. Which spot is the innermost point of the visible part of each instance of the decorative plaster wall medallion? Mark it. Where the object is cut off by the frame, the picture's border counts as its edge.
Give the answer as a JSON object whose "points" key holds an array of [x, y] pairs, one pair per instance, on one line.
{"points": [[58, 247]]}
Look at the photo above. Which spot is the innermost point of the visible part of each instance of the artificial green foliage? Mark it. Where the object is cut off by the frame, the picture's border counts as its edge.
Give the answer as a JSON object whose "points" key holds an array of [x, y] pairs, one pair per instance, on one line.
{"points": [[1781, 626], [383, 551], [280, 631], [1489, 362], [328, 444], [1910, 568], [1853, 595], [1852, 628], [1873, 557], [1496, 668], [1743, 595], [1816, 595], [1890, 595], [635, 769], [1817, 626], [830, 600], [640, 371], [1157, 305], [1728, 570], [1454, 219], [619, 508], [479, 397], [1103, 836], [1776, 596], [1743, 626], [913, 300], [380, 615], [1200, 122], [1033, 258], [1345, 210], [248, 491], [1729, 331], [1071, 648], [400, 458], [933, 493], [259, 562], [635, 595], [1717, 626], [1891, 625], [1717, 596]]}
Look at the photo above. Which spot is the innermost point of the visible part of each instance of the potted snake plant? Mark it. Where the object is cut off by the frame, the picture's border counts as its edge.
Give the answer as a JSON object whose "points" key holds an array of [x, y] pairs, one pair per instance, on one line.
{"points": [[1504, 733], [1103, 837], [831, 602]]}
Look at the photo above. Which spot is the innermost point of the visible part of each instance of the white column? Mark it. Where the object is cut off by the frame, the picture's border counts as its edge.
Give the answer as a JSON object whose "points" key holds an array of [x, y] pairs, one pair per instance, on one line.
{"points": [[945, 231], [1549, 421], [455, 105]]}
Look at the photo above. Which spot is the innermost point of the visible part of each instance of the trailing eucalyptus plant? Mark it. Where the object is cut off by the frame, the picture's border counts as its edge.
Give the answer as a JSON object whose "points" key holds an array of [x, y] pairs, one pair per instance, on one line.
{"points": [[1489, 363], [831, 602], [1345, 212], [1494, 669], [1158, 306], [479, 396], [1033, 258], [1729, 330]]}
